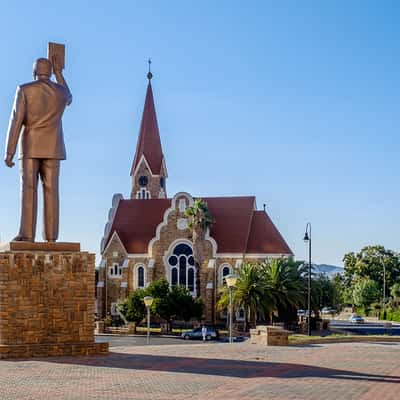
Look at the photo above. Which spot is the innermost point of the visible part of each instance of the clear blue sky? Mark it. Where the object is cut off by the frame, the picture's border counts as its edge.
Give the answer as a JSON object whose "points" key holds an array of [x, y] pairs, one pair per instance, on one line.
{"points": [[298, 105]]}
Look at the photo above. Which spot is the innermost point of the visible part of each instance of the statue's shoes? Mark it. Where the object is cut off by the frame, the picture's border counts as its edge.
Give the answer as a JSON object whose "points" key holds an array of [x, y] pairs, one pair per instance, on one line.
{"points": [[20, 238]]}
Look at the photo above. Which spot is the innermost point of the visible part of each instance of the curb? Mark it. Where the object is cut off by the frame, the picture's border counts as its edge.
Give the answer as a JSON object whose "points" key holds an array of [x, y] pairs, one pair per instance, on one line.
{"points": [[347, 340]]}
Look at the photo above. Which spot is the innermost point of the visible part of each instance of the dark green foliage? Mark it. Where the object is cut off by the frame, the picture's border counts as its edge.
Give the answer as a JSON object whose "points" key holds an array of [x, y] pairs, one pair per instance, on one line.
{"points": [[173, 303], [369, 262], [392, 315], [324, 292], [133, 307], [395, 293], [273, 290], [365, 292], [199, 215]]}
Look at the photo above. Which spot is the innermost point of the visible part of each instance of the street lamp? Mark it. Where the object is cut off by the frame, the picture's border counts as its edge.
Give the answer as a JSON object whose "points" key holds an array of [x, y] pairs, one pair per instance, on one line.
{"points": [[384, 280], [148, 301], [307, 239], [231, 282]]}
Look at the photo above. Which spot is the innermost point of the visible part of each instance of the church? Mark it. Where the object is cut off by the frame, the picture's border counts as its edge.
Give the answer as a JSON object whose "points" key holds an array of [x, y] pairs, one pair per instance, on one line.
{"points": [[147, 236]]}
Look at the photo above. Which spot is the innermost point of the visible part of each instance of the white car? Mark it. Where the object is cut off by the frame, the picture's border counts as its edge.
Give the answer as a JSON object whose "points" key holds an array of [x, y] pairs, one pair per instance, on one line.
{"points": [[356, 319], [328, 310]]}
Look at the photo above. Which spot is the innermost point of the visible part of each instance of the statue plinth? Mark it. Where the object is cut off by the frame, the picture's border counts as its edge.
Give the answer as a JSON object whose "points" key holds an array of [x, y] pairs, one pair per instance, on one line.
{"points": [[41, 246], [47, 302]]}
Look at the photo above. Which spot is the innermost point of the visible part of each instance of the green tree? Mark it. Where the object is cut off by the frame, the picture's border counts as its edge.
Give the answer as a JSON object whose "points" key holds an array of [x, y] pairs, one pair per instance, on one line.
{"points": [[200, 221], [185, 305], [133, 307], [338, 293], [365, 292], [249, 293], [162, 305], [171, 303], [395, 293], [285, 283], [369, 263], [273, 289], [323, 292]]}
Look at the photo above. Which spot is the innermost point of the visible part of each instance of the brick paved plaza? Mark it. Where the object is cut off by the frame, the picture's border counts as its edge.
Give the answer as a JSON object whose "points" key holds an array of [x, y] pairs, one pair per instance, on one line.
{"points": [[211, 371]]}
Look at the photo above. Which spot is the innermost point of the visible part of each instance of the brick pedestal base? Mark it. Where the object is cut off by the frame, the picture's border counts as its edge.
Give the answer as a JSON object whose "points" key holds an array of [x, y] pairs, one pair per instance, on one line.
{"points": [[269, 335], [50, 350], [47, 304]]}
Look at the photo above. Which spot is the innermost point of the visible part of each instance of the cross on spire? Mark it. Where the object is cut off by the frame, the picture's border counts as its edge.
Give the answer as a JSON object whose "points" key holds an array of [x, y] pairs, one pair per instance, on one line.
{"points": [[149, 74]]}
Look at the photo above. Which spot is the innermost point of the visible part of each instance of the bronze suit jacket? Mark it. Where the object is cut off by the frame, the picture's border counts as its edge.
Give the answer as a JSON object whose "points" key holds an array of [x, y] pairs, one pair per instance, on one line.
{"points": [[38, 107]]}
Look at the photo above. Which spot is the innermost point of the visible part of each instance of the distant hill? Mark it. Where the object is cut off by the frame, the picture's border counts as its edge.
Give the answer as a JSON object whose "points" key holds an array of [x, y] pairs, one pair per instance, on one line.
{"points": [[326, 269]]}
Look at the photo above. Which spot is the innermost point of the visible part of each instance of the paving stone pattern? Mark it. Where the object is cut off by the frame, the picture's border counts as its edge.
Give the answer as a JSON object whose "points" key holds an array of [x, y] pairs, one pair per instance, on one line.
{"points": [[211, 371]]}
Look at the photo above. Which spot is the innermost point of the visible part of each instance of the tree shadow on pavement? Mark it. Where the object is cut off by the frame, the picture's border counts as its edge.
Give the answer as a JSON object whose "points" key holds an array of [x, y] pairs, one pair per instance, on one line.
{"points": [[217, 367]]}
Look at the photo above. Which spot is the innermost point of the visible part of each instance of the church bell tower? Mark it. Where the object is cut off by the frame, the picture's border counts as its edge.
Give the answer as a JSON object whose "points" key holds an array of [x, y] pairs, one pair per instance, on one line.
{"points": [[149, 172]]}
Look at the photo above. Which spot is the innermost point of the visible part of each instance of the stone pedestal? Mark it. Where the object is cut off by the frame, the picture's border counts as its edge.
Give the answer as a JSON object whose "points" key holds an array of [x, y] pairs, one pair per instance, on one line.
{"points": [[269, 336], [47, 301]]}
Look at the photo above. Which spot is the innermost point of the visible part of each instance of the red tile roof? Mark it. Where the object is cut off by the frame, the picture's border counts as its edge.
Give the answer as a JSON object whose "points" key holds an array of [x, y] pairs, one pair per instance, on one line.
{"points": [[149, 143], [237, 228], [232, 221], [264, 238], [136, 221]]}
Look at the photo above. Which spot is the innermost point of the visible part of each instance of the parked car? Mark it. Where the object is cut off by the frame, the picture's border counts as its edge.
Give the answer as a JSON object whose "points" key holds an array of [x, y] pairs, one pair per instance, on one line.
{"points": [[212, 334], [304, 313], [356, 319], [328, 310]]}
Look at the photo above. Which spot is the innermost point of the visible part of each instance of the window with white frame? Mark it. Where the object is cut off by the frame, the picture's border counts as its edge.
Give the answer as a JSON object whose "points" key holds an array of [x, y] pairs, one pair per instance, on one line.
{"points": [[140, 280], [143, 194], [224, 270], [181, 267], [115, 271]]}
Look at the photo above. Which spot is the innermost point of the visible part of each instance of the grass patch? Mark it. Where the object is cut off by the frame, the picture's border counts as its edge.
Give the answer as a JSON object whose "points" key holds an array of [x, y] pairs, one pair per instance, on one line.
{"points": [[336, 337]]}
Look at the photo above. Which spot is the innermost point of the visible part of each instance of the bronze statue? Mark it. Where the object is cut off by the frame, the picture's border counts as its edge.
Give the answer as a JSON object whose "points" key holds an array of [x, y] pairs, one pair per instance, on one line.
{"points": [[35, 123]]}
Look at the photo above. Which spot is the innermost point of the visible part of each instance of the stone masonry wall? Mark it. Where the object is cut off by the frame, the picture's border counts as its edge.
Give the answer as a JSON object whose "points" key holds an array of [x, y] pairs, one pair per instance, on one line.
{"points": [[153, 185], [46, 298]]}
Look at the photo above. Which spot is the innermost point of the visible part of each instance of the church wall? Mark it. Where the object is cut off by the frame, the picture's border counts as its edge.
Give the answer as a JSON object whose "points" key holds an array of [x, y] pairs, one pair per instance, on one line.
{"points": [[170, 233]]}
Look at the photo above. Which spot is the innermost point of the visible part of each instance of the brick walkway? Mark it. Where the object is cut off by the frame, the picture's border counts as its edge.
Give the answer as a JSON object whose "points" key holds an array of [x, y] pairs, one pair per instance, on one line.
{"points": [[212, 371]]}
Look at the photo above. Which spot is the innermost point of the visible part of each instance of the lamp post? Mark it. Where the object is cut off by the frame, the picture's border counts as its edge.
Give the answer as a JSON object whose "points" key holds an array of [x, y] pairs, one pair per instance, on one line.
{"points": [[307, 239], [384, 281], [148, 301], [231, 282]]}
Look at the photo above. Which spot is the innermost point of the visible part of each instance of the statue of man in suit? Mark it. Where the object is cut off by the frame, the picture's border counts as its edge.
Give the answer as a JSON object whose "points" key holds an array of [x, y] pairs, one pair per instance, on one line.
{"points": [[35, 123]]}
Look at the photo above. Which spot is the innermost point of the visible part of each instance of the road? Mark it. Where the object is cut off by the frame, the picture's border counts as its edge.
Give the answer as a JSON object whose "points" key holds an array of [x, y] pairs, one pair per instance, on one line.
{"points": [[367, 328], [128, 341], [197, 371]]}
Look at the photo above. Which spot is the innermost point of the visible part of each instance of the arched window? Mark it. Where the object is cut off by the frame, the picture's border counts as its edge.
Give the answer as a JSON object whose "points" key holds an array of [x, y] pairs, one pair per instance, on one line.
{"points": [[224, 270], [143, 194], [174, 276], [140, 276], [181, 266], [190, 284], [115, 271]]}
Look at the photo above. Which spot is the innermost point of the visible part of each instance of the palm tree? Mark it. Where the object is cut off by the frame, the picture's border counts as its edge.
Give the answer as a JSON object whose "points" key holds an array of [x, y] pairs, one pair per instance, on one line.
{"points": [[249, 293], [273, 288], [200, 220], [285, 284]]}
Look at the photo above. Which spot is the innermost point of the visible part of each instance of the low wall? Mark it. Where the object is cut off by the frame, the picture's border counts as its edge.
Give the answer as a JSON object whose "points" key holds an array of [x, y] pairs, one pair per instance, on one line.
{"points": [[47, 303], [269, 336]]}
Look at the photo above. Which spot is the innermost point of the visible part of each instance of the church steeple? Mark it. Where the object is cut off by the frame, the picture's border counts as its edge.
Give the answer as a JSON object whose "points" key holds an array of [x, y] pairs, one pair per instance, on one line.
{"points": [[148, 169]]}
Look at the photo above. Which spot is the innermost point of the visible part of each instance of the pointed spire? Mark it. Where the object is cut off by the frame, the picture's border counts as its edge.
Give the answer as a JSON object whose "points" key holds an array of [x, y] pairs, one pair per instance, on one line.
{"points": [[149, 143]]}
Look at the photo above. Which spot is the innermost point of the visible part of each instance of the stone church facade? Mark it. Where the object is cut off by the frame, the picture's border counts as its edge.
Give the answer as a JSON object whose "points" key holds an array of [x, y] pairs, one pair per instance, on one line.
{"points": [[147, 236]]}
